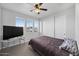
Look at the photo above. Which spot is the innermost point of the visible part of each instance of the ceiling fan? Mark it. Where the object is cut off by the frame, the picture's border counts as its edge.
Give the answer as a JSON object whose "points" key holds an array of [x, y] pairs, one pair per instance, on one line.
{"points": [[38, 8]]}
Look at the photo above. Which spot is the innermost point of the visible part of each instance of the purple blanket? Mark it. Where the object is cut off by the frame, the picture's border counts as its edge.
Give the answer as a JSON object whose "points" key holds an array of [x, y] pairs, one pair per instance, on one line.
{"points": [[48, 46]]}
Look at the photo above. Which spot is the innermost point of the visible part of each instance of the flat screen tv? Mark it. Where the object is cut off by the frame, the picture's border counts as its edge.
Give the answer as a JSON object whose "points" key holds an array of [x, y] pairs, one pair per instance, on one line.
{"points": [[11, 32]]}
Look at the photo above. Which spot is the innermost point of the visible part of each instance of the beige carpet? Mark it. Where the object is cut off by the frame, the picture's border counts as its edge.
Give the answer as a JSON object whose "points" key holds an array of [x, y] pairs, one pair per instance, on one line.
{"points": [[19, 50]]}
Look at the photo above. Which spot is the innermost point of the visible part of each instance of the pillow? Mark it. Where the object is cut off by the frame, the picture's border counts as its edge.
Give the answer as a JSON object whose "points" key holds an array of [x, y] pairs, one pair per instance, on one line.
{"points": [[70, 46]]}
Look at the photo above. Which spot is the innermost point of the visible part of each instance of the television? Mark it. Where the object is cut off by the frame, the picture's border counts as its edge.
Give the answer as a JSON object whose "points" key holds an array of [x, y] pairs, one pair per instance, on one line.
{"points": [[11, 32]]}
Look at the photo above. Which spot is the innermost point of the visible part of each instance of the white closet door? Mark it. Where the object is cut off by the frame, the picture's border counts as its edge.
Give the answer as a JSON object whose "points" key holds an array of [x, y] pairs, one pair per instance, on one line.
{"points": [[48, 27], [0, 18], [60, 25], [0, 24], [0, 28]]}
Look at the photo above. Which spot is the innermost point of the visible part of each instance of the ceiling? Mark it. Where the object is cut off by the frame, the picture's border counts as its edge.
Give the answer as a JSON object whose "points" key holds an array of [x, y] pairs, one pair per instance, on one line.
{"points": [[26, 7]]}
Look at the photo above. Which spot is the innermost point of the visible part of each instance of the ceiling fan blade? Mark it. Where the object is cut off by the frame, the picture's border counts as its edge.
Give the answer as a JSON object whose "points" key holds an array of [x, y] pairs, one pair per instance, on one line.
{"points": [[40, 4], [36, 6], [43, 9]]}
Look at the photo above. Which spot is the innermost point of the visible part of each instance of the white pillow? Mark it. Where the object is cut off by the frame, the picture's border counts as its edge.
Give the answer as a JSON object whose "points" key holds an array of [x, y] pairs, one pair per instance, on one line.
{"points": [[70, 45], [70, 55]]}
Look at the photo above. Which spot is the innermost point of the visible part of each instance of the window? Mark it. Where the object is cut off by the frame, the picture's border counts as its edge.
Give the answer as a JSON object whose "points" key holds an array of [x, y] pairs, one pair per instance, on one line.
{"points": [[29, 24], [20, 22], [36, 26]]}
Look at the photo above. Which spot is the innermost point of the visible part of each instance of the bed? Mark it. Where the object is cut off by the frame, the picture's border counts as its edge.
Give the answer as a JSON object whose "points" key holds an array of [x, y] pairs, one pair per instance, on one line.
{"points": [[48, 46]]}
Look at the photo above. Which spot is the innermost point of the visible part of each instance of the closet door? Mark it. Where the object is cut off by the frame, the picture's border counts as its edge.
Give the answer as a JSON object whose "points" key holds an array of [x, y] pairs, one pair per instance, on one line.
{"points": [[48, 27], [0, 28], [0, 19], [60, 26], [0, 25]]}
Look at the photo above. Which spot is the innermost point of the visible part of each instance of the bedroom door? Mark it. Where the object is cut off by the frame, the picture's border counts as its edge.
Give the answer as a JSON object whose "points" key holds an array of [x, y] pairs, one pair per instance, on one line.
{"points": [[60, 26]]}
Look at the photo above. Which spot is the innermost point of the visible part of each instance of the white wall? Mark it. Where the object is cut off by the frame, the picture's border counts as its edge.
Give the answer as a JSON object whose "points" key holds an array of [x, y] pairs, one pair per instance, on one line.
{"points": [[64, 24], [9, 18], [77, 23]]}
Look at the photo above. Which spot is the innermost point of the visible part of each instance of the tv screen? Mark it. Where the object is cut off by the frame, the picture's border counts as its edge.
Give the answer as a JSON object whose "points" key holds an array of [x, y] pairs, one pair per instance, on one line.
{"points": [[11, 32]]}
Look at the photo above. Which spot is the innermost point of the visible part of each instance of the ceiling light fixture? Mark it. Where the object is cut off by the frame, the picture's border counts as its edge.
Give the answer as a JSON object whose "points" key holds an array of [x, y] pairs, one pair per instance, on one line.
{"points": [[37, 11]]}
